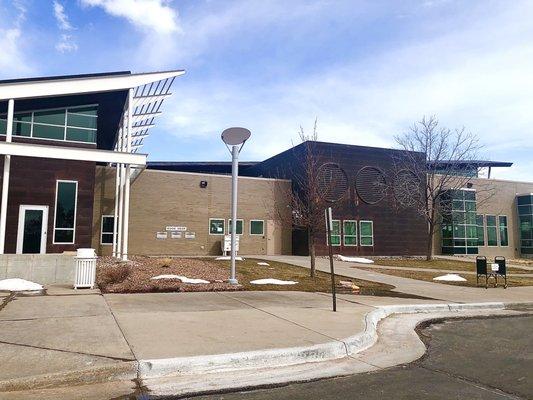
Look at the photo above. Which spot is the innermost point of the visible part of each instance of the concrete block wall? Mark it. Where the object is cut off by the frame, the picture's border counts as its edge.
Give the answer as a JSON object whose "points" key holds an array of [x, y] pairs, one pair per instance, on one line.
{"points": [[40, 268], [165, 198]]}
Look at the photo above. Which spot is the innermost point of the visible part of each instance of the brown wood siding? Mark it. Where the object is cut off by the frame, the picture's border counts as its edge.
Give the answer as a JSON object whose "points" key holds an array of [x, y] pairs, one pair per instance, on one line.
{"points": [[396, 231], [33, 182]]}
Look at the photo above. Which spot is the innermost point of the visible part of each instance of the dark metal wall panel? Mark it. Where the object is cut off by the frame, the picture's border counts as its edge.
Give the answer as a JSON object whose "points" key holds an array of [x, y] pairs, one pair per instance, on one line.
{"points": [[397, 231], [33, 182]]}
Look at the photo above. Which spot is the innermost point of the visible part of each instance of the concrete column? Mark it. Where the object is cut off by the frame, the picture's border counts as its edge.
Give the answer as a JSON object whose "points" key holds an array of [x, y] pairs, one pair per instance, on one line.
{"points": [[5, 178], [127, 178]]}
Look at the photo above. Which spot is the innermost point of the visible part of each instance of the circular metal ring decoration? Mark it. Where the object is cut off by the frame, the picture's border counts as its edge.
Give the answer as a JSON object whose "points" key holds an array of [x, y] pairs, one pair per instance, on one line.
{"points": [[332, 182], [370, 184], [406, 187]]}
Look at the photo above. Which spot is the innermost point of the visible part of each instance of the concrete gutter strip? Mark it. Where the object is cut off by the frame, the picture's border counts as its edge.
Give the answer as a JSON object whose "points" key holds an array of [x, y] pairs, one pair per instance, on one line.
{"points": [[105, 373], [263, 359]]}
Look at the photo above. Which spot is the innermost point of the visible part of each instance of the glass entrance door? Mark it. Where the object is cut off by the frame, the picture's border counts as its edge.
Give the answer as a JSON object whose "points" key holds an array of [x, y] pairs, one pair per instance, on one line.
{"points": [[32, 229]]}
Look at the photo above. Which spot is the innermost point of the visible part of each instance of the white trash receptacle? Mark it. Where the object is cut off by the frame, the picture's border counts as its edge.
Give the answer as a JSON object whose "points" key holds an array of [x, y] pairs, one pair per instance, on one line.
{"points": [[85, 268]]}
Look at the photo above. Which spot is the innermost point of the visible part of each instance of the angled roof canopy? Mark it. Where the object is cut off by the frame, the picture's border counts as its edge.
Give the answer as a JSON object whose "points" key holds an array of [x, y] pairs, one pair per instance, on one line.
{"points": [[149, 91]]}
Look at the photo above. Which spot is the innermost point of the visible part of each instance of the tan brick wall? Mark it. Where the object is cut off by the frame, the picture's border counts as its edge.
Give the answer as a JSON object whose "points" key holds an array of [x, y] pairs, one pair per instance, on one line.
{"points": [[162, 198], [497, 197]]}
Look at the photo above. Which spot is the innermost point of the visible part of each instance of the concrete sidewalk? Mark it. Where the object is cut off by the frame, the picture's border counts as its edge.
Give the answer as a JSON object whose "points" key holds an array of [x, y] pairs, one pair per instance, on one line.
{"points": [[66, 340], [448, 293]]}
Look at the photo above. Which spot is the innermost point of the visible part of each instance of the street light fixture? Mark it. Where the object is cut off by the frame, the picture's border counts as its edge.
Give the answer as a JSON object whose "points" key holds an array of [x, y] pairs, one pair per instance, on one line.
{"points": [[234, 137]]}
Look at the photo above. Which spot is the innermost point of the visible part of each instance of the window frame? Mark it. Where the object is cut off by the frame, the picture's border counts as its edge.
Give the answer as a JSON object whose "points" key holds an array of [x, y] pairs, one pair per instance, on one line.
{"points": [[107, 233], [75, 213], [263, 226], [361, 236], [339, 235], [242, 224], [64, 126], [223, 226], [495, 227], [499, 230], [344, 234], [483, 229]]}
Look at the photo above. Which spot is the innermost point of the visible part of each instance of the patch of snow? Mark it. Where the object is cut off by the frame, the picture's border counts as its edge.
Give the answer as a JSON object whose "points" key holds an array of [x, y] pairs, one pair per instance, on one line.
{"points": [[359, 260], [263, 263], [19, 285], [182, 278], [450, 278], [271, 281], [227, 258]]}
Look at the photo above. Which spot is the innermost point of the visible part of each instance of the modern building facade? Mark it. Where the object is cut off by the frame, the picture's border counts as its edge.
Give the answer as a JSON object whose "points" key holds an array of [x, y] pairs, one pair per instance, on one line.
{"points": [[73, 176]]}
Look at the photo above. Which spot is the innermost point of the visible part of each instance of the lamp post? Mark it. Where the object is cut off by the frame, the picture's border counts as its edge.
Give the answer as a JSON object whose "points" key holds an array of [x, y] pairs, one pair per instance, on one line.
{"points": [[234, 138]]}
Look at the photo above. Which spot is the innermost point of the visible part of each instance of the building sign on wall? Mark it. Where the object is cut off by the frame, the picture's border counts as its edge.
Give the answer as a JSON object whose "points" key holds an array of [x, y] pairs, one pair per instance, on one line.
{"points": [[190, 235], [176, 228], [161, 235], [175, 235]]}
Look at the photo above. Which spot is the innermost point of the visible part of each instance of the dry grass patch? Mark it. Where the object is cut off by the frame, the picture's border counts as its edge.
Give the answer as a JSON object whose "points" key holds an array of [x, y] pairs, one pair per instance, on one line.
{"points": [[444, 264], [248, 270], [470, 279]]}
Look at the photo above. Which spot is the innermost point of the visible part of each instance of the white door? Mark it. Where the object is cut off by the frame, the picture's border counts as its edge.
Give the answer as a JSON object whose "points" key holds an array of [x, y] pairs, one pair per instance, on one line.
{"points": [[31, 235]]}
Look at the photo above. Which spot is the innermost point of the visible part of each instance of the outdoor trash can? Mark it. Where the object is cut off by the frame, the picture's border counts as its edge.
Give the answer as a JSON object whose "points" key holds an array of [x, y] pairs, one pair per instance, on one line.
{"points": [[85, 275]]}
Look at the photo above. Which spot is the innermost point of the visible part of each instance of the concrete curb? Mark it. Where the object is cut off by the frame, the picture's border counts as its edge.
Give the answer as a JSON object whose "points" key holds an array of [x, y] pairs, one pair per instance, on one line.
{"points": [[264, 359]]}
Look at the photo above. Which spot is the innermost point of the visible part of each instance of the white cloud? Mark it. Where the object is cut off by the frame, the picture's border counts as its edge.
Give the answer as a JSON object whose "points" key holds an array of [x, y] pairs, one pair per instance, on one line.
{"points": [[477, 74], [66, 44], [12, 57], [154, 15], [61, 17]]}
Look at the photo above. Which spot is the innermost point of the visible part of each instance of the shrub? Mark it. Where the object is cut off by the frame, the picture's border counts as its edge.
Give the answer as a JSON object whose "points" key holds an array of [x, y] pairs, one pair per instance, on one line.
{"points": [[115, 274], [165, 262]]}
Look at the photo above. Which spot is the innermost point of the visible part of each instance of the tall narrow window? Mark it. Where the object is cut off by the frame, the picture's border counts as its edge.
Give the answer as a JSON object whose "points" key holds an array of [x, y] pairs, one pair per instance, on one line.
{"points": [[65, 212], [335, 233], [492, 231], [504, 237], [350, 233], [480, 230], [108, 224], [366, 229]]}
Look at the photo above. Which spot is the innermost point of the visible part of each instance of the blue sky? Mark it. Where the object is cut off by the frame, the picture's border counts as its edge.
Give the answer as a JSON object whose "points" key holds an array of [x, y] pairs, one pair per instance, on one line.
{"points": [[366, 69]]}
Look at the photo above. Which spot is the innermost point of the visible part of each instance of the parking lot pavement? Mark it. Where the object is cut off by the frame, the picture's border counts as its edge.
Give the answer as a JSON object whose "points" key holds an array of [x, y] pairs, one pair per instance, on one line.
{"points": [[467, 359]]}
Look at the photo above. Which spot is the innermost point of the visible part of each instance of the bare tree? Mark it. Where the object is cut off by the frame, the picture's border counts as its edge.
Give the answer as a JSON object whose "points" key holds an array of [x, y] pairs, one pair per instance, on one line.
{"points": [[309, 193], [437, 160]]}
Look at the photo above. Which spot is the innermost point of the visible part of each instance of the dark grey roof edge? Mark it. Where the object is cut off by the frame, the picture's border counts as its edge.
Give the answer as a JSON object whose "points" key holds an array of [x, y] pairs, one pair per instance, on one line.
{"points": [[58, 77]]}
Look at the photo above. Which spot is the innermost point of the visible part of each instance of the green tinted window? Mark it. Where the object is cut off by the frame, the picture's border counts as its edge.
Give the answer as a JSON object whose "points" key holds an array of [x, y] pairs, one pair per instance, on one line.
{"points": [[366, 230], [3, 126], [90, 110], [239, 226], [492, 231], [216, 226], [21, 129], [65, 212], [350, 233], [48, 132], [257, 227], [480, 230], [81, 135], [335, 232], [54, 117], [81, 121], [22, 117], [504, 239]]}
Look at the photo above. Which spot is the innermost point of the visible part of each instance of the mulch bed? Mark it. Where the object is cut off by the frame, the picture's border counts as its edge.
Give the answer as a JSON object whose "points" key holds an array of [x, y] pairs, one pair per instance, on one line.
{"points": [[134, 276]]}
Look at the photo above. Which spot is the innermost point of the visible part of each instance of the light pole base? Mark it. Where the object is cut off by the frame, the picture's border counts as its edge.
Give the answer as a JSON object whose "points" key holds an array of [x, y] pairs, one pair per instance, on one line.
{"points": [[233, 281]]}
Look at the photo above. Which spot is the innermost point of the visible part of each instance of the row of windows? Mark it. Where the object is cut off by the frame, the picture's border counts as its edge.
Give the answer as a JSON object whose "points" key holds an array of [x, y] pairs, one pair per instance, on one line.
{"points": [[347, 231], [77, 124], [217, 225], [496, 230]]}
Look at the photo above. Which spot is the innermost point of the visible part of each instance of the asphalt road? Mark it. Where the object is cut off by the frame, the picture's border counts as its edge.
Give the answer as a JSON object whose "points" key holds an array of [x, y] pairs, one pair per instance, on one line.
{"points": [[467, 359]]}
